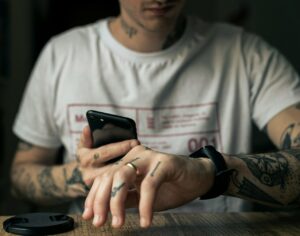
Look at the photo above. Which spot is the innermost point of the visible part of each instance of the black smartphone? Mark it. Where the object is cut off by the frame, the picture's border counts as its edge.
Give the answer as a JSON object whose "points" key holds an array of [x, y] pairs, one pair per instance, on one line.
{"points": [[108, 128]]}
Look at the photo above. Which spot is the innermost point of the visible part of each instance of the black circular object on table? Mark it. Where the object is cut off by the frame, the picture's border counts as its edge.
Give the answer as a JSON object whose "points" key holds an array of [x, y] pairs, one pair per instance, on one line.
{"points": [[40, 223]]}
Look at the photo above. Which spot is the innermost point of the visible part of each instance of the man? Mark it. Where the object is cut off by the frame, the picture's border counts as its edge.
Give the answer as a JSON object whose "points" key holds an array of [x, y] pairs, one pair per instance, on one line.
{"points": [[185, 82]]}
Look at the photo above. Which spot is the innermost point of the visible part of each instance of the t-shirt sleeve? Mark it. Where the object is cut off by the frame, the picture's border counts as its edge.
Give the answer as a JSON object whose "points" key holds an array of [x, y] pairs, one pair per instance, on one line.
{"points": [[274, 83], [34, 122]]}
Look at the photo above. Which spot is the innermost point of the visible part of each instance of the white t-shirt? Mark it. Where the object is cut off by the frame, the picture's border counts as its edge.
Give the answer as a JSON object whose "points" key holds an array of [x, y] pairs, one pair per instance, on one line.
{"points": [[205, 89]]}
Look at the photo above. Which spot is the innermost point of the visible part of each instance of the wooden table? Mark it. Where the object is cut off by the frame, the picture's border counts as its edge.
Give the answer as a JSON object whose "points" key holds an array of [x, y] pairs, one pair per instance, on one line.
{"points": [[197, 224]]}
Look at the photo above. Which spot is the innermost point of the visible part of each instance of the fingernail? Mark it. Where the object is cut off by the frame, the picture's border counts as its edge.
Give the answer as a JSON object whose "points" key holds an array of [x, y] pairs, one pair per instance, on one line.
{"points": [[85, 212], [96, 220], [143, 222], [115, 221]]}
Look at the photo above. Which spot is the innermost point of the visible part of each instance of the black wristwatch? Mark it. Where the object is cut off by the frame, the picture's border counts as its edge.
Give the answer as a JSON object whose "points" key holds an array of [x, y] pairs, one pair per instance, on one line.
{"points": [[222, 173]]}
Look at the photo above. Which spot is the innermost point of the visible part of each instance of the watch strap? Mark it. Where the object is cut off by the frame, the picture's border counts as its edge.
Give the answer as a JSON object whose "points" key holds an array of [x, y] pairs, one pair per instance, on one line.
{"points": [[222, 173]]}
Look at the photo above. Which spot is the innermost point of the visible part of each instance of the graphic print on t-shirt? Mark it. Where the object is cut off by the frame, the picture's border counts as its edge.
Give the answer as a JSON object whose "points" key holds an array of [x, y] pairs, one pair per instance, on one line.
{"points": [[178, 129]]}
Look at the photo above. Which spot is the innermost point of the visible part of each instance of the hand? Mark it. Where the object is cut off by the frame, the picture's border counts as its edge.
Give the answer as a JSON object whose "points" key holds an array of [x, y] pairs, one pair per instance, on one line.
{"points": [[153, 181], [89, 160]]}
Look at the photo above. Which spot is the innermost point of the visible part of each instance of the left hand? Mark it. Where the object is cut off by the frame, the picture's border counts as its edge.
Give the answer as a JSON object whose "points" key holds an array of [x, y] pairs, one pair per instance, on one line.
{"points": [[160, 181], [92, 162]]}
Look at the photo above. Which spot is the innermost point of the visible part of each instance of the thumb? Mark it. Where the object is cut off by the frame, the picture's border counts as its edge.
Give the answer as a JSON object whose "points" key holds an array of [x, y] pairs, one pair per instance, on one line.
{"points": [[86, 139]]}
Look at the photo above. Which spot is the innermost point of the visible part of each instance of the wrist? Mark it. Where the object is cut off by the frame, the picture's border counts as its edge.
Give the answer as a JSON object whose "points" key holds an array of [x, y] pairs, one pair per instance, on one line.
{"points": [[74, 180], [207, 177], [221, 174]]}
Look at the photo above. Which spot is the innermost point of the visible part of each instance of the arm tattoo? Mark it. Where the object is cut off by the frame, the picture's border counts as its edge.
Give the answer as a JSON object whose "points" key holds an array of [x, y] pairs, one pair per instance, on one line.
{"points": [[30, 187], [289, 139], [76, 178], [249, 190], [47, 183], [115, 190], [65, 179], [129, 30], [296, 140], [155, 168], [17, 174], [24, 146], [293, 152], [286, 140], [269, 169]]}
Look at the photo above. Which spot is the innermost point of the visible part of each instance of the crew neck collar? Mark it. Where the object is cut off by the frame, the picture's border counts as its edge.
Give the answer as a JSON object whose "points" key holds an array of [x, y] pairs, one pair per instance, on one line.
{"points": [[123, 51]]}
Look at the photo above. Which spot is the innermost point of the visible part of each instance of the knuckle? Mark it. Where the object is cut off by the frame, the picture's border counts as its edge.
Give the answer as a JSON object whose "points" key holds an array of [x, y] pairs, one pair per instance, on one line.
{"points": [[97, 179], [103, 152], [98, 206], [149, 183], [84, 161], [126, 146], [98, 202], [120, 174], [105, 177], [137, 149]]}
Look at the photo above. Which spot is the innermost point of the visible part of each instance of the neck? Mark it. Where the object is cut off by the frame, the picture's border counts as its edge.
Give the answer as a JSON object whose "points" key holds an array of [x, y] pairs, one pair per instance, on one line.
{"points": [[140, 40]]}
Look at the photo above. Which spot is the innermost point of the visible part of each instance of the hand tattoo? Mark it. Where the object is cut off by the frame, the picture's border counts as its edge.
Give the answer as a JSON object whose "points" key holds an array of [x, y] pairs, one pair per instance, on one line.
{"points": [[115, 190], [96, 156], [118, 162], [155, 168]]}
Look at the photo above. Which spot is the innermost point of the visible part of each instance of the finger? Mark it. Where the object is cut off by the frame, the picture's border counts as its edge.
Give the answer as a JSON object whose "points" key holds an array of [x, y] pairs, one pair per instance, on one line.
{"points": [[123, 179], [149, 188], [89, 201], [99, 156], [85, 138], [101, 201]]}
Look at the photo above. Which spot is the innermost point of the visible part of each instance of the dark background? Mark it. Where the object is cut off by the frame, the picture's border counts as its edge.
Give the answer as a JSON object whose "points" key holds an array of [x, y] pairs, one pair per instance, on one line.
{"points": [[26, 25]]}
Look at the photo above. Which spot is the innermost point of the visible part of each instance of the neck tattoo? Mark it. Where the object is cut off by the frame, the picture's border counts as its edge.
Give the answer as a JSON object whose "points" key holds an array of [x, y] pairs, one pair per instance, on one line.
{"points": [[176, 33], [130, 31]]}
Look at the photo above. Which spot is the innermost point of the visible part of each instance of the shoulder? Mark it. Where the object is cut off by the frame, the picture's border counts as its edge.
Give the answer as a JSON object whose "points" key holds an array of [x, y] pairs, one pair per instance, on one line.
{"points": [[219, 30], [77, 38], [224, 35], [217, 35]]}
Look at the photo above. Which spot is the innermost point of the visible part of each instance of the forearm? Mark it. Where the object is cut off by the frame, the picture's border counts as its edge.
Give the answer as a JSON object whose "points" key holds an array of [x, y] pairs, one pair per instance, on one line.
{"points": [[270, 178], [48, 184]]}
